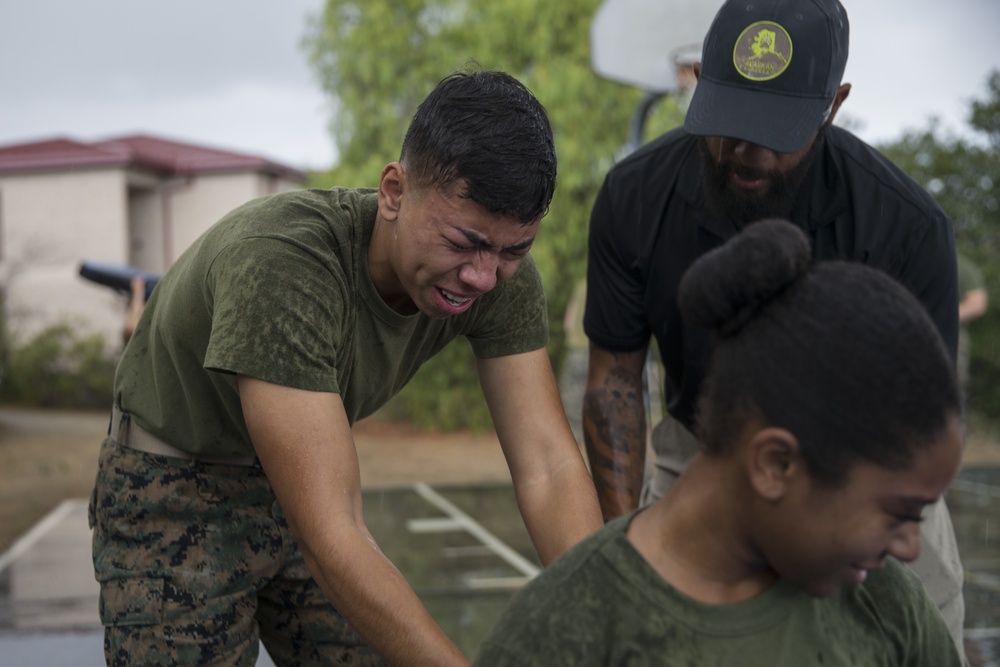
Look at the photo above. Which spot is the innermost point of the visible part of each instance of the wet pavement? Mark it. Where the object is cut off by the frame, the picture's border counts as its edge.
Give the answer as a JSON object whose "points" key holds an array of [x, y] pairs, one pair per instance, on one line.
{"points": [[974, 501], [463, 549]]}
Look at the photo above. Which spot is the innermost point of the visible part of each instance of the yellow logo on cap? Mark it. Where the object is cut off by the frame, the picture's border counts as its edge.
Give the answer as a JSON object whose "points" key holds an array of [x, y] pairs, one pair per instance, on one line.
{"points": [[762, 51]]}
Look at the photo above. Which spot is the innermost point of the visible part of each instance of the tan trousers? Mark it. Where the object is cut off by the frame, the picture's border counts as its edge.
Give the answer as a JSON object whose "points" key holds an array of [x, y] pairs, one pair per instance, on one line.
{"points": [[938, 566]]}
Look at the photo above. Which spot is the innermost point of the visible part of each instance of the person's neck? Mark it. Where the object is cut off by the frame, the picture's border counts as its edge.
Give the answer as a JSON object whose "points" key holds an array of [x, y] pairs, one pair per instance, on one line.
{"points": [[380, 269], [693, 538]]}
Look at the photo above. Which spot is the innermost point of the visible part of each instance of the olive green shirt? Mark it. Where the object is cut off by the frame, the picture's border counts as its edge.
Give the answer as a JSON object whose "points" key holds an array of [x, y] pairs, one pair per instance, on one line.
{"points": [[602, 605], [279, 290]]}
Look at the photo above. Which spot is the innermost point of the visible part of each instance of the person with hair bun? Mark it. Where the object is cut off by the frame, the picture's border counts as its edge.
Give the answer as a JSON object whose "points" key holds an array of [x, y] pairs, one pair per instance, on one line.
{"points": [[830, 418], [758, 142]]}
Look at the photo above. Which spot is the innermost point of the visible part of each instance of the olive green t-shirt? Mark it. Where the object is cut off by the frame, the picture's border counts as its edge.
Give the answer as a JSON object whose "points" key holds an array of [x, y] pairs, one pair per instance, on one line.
{"points": [[602, 605], [279, 290]]}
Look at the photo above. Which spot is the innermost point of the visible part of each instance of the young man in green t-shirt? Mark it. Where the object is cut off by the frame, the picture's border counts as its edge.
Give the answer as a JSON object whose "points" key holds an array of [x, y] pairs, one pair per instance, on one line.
{"points": [[228, 499]]}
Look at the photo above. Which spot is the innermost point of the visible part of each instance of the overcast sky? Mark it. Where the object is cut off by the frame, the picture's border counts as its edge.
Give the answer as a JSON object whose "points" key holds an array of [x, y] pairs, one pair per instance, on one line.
{"points": [[232, 73]]}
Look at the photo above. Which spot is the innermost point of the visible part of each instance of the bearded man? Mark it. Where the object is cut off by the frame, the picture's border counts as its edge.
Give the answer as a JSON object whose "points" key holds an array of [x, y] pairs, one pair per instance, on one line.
{"points": [[758, 142]]}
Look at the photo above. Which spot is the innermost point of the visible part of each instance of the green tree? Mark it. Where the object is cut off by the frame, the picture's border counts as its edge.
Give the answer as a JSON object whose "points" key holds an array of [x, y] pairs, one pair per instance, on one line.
{"points": [[378, 58], [963, 173]]}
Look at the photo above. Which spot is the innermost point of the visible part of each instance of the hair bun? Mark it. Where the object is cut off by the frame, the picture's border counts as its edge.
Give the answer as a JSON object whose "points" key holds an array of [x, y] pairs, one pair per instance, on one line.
{"points": [[725, 287]]}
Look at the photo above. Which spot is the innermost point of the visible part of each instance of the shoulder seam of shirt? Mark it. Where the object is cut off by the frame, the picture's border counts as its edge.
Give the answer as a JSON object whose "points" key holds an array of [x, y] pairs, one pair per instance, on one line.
{"points": [[913, 195]]}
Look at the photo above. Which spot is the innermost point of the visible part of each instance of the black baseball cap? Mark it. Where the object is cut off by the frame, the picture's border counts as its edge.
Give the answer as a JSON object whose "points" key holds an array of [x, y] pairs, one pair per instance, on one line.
{"points": [[769, 71]]}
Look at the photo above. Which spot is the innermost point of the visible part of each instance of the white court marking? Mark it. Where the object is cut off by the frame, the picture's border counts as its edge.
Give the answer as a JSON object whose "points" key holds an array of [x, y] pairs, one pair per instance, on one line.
{"points": [[37, 532], [456, 519]]}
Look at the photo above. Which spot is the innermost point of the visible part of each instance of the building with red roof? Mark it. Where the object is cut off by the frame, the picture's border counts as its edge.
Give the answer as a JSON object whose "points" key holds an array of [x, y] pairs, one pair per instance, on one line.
{"points": [[136, 200]]}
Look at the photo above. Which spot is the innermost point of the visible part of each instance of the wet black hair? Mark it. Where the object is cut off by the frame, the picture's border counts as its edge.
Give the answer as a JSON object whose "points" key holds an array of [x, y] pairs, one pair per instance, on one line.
{"points": [[486, 130], [837, 353]]}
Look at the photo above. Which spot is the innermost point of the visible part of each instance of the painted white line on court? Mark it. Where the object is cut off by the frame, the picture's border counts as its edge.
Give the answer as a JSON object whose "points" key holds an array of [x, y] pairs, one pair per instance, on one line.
{"points": [[495, 544], [990, 582], [976, 487], [37, 532], [981, 633], [437, 525], [496, 583]]}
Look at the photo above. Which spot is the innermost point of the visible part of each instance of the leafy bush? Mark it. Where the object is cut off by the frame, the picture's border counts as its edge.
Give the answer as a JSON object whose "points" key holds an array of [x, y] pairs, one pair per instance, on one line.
{"points": [[59, 369], [963, 174]]}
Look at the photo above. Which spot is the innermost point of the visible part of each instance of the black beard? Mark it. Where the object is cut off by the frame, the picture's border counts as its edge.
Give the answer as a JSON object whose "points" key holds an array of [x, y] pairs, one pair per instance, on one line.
{"points": [[746, 207]]}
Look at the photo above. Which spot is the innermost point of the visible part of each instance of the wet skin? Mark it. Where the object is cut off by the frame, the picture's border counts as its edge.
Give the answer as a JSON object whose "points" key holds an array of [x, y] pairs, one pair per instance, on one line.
{"points": [[822, 538], [435, 252]]}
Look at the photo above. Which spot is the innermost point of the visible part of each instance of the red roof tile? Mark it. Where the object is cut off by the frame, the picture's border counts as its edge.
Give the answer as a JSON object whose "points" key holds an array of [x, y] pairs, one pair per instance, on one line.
{"points": [[137, 151], [58, 154]]}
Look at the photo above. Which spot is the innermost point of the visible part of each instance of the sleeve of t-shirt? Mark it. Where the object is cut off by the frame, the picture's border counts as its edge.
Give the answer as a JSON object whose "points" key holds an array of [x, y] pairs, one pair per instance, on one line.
{"points": [[277, 314], [614, 317], [913, 626], [512, 318]]}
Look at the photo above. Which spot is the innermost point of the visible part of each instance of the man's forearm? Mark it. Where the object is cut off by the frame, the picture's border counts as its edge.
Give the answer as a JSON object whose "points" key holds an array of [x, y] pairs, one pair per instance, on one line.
{"points": [[375, 598], [614, 431], [559, 510], [972, 305], [304, 442]]}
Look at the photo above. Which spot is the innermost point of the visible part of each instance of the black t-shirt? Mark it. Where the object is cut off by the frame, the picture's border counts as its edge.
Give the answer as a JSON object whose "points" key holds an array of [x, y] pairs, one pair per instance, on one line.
{"points": [[649, 223]]}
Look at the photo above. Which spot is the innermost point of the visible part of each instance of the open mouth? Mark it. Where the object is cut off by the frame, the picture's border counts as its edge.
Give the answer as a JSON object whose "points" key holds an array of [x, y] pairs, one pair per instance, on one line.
{"points": [[747, 181], [454, 299]]}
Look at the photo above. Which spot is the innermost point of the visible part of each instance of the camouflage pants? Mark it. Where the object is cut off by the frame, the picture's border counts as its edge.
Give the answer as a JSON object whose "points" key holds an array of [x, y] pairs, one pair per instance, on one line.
{"points": [[196, 563]]}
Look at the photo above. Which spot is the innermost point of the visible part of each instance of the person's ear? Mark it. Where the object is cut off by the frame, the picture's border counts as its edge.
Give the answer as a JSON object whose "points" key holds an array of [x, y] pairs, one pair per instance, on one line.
{"points": [[390, 190], [773, 461], [697, 70], [838, 99]]}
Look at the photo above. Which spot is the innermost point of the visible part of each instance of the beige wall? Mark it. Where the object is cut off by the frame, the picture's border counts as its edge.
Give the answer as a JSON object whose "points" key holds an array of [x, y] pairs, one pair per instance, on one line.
{"points": [[145, 228], [197, 204], [50, 223]]}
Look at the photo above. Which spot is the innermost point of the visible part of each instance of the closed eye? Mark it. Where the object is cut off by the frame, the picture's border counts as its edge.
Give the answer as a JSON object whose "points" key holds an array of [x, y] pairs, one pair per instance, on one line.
{"points": [[910, 509], [517, 252]]}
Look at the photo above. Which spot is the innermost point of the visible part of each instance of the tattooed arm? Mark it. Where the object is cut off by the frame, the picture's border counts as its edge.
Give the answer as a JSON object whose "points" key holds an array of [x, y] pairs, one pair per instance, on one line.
{"points": [[614, 428]]}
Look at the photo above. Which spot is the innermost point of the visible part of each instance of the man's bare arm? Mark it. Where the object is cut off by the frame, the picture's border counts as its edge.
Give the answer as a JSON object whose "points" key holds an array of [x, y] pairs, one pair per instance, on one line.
{"points": [[305, 446], [973, 305], [554, 492], [614, 428]]}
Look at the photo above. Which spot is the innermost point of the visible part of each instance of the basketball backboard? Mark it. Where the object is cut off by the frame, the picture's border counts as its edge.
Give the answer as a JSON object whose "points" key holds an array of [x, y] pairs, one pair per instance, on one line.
{"points": [[641, 42]]}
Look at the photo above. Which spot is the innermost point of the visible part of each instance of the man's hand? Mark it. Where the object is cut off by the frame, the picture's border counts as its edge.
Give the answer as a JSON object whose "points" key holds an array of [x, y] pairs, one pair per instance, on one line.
{"points": [[136, 304], [614, 428]]}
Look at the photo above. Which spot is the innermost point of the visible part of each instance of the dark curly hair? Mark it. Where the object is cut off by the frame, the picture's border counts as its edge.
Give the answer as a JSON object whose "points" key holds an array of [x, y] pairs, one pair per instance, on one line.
{"points": [[837, 353], [486, 130]]}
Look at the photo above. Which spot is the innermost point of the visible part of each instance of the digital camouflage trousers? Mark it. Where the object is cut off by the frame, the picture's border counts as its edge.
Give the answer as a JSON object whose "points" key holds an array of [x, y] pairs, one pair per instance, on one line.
{"points": [[196, 564]]}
